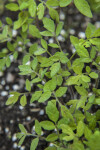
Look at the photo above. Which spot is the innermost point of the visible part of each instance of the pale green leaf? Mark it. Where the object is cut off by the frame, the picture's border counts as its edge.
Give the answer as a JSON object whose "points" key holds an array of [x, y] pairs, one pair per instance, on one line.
{"points": [[34, 144], [23, 100], [55, 68], [45, 96], [49, 24], [61, 91], [47, 125]]}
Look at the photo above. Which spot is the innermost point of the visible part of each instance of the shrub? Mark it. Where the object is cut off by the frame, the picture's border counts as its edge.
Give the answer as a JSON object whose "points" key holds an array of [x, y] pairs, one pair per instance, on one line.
{"points": [[71, 123]]}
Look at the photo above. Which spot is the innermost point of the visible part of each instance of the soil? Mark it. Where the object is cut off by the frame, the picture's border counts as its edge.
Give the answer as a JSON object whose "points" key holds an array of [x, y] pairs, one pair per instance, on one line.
{"points": [[11, 116]]}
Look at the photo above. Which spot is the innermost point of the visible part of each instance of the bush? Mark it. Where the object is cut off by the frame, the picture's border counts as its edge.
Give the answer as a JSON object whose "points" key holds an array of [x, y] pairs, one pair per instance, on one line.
{"points": [[71, 123]]}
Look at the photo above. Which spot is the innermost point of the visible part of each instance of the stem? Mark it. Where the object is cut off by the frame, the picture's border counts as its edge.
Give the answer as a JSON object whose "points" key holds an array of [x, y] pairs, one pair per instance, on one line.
{"points": [[58, 44]]}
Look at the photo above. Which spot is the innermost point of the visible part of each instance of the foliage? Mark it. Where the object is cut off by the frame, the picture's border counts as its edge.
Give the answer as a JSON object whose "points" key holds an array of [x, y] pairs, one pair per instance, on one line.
{"points": [[71, 124]]}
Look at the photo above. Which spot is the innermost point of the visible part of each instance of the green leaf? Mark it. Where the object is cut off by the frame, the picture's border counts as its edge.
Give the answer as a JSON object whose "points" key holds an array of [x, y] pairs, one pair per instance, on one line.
{"points": [[37, 127], [52, 137], [26, 58], [97, 100], [34, 144], [10, 46], [96, 33], [93, 75], [40, 12], [46, 33], [39, 51], [9, 20], [44, 44], [52, 111], [53, 45], [23, 5], [23, 100], [52, 3], [33, 30], [83, 7], [53, 14], [74, 40], [8, 61], [81, 90], [59, 27], [73, 80], [28, 85], [21, 140], [80, 128], [36, 96], [22, 128], [49, 24], [59, 80], [25, 69], [50, 85], [12, 7], [45, 96], [47, 125], [34, 63], [64, 3], [82, 51], [33, 48], [36, 80], [93, 52], [13, 99], [85, 78], [61, 91], [95, 41], [55, 68], [32, 8]]}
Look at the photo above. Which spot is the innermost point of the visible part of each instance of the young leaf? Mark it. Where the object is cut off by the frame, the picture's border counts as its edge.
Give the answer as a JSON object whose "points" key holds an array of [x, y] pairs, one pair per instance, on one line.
{"points": [[53, 45], [36, 96], [37, 127], [28, 85], [23, 100], [49, 24], [95, 41], [81, 90], [80, 128], [44, 44], [52, 137], [40, 12], [46, 33], [52, 3], [55, 68], [23, 5], [82, 51], [45, 96], [54, 14], [59, 27], [73, 80], [74, 40], [21, 140], [22, 128], [93, 75], [83, 7], [12, 7], [47, 125], [85, 78], [52, 111], [34, 144], [61, 91], [39, 51], [32, 8], [33, 30], [64, 3]]}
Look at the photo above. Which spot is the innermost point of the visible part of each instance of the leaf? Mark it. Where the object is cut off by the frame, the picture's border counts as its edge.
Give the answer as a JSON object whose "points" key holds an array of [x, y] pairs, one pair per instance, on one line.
{"points": [[59, 80], [37, 127], [26, 69], [26, 58], [23, 5], [83, 7], [59, 27], [93, 52], [33, 30], [46, 33], [96, 33], [23, 100], [52, 137], [12, 7], [72, 80], [81, 90], [53, 14], [22, 128], [39, 51], [36, 96], [82, 51], [9, 20], [8, 61], [52, 111], [74, 40], [44, 44], [80, 128], [21, 140], [47, 125], [64, 3], [10, 46], [34, 144], [12, 100], [55, 68], [61, 91], [36, 80], [95, 41], [40, 12], [34, 63], [33, 48], [85, 78], [93, 75], [45, 96], [49, 24], [53, 45], [32, 8], [52, 3]]}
